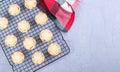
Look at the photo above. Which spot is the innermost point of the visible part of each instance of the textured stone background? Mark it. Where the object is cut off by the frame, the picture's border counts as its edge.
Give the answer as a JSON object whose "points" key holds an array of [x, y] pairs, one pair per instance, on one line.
{"points": [[94, 40]]}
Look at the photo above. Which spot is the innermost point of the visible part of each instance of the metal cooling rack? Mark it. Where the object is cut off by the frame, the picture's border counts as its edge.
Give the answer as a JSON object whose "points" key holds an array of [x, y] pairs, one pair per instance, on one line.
{"points": [[28, 65]]}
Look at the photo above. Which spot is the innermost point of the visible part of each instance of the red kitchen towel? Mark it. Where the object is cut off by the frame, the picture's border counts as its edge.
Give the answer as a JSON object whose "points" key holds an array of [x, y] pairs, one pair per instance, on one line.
{"points": [[63, 11]]}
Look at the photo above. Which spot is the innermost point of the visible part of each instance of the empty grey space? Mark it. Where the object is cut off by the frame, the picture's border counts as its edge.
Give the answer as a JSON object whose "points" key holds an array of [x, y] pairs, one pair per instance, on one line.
{"points": [[94, 40]]}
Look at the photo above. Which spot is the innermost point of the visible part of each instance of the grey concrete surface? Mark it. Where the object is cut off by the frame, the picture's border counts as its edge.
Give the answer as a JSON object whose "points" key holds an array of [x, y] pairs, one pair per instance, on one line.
{"points": [[94, 40]]}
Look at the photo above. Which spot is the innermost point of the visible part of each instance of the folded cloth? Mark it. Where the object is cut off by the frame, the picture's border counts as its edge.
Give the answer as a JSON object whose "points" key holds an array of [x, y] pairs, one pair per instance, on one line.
{"points": [[63, 12]]}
